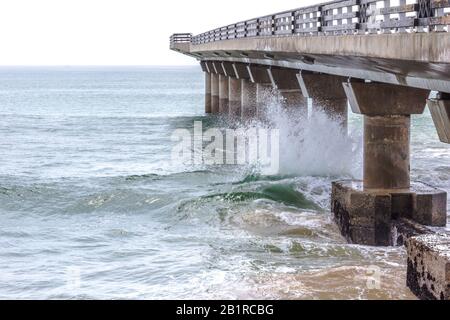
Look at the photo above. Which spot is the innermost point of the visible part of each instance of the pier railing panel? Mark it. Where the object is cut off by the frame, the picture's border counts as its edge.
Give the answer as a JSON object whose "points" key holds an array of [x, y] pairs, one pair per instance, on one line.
{"points": [[340, 17]]}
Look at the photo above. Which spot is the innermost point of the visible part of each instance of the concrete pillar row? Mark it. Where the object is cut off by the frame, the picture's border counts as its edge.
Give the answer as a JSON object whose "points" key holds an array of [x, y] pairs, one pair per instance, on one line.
{"points": [[286, 82], [327, 94]]}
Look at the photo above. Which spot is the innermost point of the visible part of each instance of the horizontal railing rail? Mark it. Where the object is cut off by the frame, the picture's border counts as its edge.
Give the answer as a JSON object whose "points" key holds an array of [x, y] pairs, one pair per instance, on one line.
{"points": [[181, 38], [340, 17]]}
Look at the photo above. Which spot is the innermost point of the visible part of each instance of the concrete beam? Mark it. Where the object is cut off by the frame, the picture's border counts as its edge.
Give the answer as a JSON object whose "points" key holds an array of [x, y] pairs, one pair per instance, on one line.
{"points": [[217, 65], [327, 94], [259, 74], [214, 93], [210, 67], [234, 97], [249, 99], [380, 99], [204, 66], [223, 94], [207, 92], [241, 71], [285, 81], [440, 112], [228, 69], [402, 58]]}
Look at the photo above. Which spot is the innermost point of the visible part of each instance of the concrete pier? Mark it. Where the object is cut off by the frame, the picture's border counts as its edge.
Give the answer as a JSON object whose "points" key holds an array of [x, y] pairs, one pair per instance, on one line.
{"points": [[327, 94], [366, 210], [223, 94], [208, 94], [214, 93], [392, 69], [285, 81], [249, 99], [234, 97], [386, 152]]}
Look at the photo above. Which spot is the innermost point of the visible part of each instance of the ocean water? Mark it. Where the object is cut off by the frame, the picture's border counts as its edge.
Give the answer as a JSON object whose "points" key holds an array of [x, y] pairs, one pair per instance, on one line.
{"points": [[92, 207]]}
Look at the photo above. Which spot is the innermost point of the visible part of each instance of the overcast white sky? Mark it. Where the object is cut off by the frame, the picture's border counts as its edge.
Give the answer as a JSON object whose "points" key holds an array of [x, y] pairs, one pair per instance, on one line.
{"points": [[114, 32]]}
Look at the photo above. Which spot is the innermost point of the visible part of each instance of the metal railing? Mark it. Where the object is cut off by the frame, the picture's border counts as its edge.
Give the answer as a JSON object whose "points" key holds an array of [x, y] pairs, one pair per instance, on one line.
{"points": [[341, 17], [181, 38]]}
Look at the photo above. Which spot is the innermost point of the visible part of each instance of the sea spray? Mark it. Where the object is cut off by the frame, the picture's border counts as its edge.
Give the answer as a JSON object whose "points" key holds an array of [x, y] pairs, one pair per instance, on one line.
{"points": [[309, 146]]}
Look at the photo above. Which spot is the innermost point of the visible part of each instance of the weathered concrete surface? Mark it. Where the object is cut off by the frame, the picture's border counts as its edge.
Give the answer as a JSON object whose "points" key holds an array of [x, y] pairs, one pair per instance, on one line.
{"points": [[386, 109], [428, 274], [218, 69], [207, 92], [249, 99], [235, 96], [440, 112], [259, 74], [223, 94], [380, 99], [214, 93], [241, 71], [228, 69], [285, 81], [386, 152], [368, 217], [419, 60], [327, 94]]}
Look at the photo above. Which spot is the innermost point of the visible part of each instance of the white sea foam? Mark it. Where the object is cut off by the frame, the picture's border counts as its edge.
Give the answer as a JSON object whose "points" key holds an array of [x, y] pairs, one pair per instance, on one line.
{"points": [[312, 146]]}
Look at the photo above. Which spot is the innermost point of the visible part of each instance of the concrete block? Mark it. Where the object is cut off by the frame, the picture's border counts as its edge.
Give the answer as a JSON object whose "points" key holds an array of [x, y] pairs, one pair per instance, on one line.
{"points": [[428, 274], [430, 208], [363, 217], [370, 217]]}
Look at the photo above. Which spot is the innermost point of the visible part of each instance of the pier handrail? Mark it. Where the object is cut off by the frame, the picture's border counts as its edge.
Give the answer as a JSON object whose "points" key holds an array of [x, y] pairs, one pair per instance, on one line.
{"points": [[181, 38], [340, 17]]}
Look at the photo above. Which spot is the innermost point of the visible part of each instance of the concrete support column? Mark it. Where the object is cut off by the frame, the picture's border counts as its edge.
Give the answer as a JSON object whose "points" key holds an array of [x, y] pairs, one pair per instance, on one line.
{"points": [[371, 211], [207, 92], [327, 94], [223, 94], [214, 93], [286, 82], [249, 99], [205, 69], [386, 152], [234, 97], [386, 109], [440, 112], [260, 77]]}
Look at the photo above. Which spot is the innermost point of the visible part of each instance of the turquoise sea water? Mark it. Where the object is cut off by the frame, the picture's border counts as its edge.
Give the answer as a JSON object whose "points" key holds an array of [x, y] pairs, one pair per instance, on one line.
{"points": [[91, 205]]}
